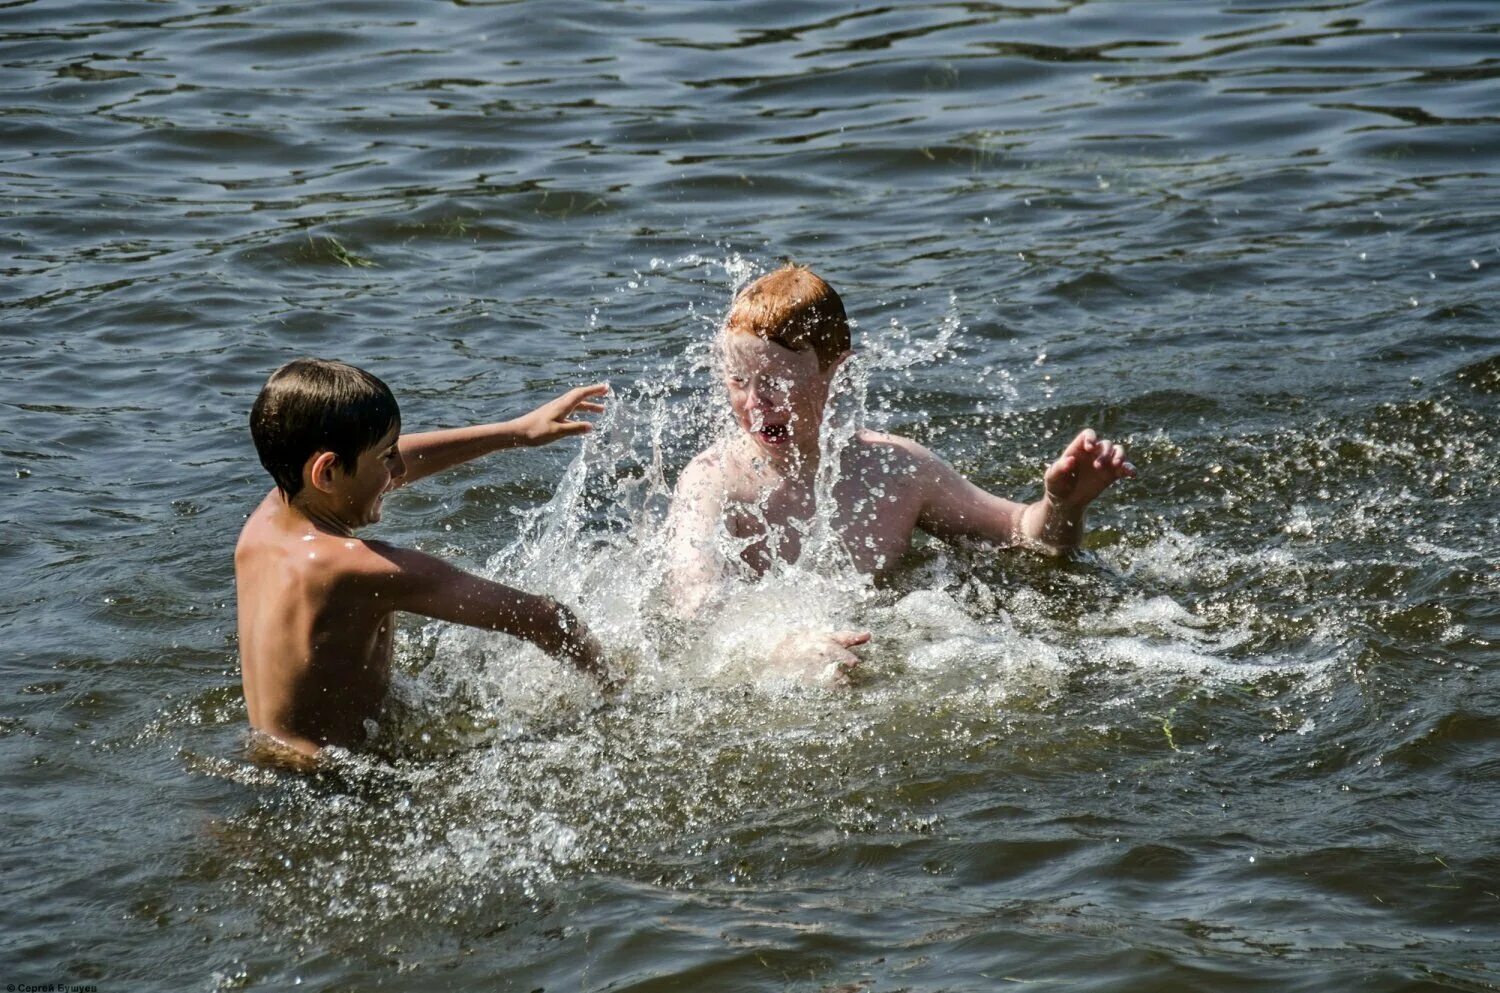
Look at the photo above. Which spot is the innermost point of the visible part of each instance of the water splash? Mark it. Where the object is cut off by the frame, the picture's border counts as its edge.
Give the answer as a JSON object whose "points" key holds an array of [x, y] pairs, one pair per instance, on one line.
{"points": [[502, 772]]}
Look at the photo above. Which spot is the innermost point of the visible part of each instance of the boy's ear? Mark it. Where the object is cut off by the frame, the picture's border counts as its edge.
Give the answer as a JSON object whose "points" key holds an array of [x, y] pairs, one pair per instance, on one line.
{"points": [[320, 469]]}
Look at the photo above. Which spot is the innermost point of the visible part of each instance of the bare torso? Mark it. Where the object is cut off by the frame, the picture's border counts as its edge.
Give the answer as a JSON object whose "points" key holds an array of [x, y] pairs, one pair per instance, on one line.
{"points": [[878, 499], [315, 655]]}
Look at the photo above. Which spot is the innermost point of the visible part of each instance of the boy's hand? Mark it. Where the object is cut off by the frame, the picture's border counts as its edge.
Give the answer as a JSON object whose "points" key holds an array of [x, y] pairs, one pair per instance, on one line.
{"points": [[818, 657], [1085, 469], [553, 420]]}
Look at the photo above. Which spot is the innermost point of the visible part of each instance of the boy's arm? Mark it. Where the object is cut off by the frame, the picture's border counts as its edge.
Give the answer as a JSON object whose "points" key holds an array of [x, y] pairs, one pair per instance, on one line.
{"points": [[404, 579], [695, 566], [1054, 524], [433, 451]]}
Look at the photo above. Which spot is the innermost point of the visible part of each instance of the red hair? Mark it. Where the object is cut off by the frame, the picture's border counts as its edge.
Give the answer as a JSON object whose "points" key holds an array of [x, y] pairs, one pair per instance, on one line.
{"points": [[797, 310]]}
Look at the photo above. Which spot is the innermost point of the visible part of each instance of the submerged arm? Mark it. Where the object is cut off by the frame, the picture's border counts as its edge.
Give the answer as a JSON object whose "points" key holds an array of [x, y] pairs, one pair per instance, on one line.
{"points": [[433, 451]]}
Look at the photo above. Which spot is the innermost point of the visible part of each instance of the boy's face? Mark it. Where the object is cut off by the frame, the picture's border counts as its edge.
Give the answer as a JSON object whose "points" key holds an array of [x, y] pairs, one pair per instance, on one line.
{"points": [[377, 470], [777, 395]]}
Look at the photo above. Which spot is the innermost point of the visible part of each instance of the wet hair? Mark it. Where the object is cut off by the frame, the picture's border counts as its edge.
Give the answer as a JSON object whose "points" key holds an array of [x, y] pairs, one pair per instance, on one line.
{"points": [[797, 310], [314, 405]]}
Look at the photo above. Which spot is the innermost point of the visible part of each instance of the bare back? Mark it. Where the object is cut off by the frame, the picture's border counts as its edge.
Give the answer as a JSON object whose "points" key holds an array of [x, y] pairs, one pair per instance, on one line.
{"points": [[315, 649]]}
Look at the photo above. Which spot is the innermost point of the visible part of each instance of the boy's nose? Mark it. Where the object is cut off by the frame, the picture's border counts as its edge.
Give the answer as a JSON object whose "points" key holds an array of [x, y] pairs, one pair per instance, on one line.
{"points": [[767, 394], [398, 471]]}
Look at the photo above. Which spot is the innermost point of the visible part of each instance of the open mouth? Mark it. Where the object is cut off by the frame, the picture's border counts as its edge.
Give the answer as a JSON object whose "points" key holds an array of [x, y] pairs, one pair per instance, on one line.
{"points": [[774, 434]]}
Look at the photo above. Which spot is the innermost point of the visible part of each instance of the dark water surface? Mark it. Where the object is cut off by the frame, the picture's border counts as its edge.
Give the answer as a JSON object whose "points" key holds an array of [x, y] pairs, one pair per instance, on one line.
{"points": [[1249, 740]]}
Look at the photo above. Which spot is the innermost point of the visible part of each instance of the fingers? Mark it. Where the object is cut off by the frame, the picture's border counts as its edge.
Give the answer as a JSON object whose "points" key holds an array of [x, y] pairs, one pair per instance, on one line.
{"points": [[1062, 467], [845, 661], [579, 399], [1082, 444], [581, 393], [560, 411], [842, 665], [1111, 459], [1088, 449], [1088, 466]]}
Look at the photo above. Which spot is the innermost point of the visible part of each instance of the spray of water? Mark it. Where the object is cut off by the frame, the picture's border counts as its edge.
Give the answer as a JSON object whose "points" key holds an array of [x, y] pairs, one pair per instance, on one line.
{"points": [[501, 769]]}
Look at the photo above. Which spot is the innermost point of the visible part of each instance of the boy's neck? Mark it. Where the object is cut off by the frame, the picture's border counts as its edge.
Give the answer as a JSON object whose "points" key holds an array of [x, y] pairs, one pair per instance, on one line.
{"points": [[308, 504], [792, 466]]}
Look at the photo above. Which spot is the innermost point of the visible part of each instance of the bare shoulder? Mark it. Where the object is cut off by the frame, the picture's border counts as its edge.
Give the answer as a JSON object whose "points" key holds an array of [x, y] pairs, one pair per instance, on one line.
{"points": [[706, 476], [897, 451], [705, 466], [919, 474], [259, 529], [376, 562], [292, 554]]}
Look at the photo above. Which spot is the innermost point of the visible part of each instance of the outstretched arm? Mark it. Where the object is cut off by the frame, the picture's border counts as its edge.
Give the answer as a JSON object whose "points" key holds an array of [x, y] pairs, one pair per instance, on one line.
{"points": [[422, 584], [1054, 524], [433, 451]]}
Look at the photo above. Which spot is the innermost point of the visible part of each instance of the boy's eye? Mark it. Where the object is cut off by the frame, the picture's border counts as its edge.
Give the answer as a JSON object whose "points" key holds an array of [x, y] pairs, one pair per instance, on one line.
{"points": [[738, 380]]}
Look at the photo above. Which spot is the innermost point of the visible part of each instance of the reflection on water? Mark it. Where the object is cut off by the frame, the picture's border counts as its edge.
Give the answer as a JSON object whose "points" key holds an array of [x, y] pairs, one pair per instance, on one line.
{"points": [[1246, 739]]}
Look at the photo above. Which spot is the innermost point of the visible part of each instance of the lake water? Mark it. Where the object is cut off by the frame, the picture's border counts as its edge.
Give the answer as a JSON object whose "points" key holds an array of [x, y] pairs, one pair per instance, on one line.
{"points": [[1249, 739]]}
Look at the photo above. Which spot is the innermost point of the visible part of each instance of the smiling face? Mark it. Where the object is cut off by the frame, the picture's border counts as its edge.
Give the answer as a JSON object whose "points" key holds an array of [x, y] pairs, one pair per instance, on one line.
{"points": [[777, 395], [375, 473]]}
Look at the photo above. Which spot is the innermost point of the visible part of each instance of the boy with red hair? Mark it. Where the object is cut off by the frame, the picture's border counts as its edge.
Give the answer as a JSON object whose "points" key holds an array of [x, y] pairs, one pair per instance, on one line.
{"points": [[780, 345]]}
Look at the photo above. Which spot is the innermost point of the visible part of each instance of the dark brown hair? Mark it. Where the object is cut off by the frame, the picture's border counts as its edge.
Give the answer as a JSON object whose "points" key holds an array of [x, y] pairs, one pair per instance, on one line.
{"points": [[314, 405], [797, 310]]}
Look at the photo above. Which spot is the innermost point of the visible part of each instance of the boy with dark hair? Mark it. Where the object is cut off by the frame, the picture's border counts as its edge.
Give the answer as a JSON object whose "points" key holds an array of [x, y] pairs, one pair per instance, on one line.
{"points": [[316, 604], [780, 346]]}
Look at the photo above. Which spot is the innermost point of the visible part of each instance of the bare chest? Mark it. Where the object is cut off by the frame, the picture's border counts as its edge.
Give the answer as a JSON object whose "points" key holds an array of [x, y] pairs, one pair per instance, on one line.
{"points": [[872, 519]]}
